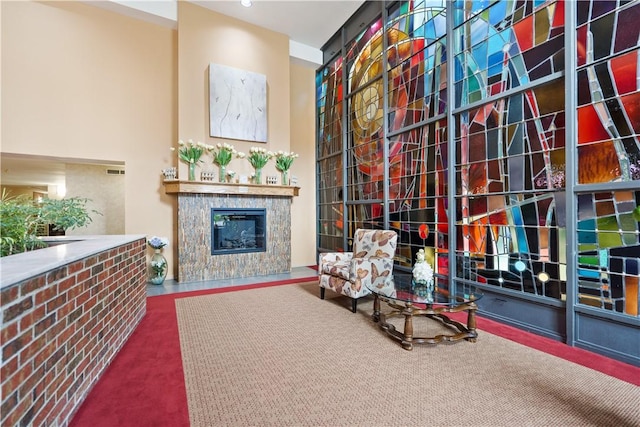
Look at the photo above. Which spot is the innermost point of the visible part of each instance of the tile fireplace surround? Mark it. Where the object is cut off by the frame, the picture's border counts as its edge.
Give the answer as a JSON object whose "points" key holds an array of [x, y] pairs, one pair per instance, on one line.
{"points": [[195, 200]]}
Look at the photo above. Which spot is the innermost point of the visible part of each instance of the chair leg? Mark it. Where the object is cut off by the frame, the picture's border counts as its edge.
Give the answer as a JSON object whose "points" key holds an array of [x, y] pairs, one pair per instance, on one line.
{"points": [[354, 303], [321, 292]]}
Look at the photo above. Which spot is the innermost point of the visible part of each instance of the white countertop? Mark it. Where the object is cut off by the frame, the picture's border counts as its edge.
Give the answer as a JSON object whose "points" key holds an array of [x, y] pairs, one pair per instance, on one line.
{"points": [[19, 267]]}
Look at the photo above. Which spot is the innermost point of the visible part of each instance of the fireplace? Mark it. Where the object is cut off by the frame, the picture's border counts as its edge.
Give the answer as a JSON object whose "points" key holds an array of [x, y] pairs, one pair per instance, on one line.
{"points": [[236, 231], [196, 229]]}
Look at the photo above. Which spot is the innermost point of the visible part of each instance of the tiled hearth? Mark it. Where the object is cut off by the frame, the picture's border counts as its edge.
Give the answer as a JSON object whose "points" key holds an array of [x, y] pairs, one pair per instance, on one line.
{"points": [[195, 262]]}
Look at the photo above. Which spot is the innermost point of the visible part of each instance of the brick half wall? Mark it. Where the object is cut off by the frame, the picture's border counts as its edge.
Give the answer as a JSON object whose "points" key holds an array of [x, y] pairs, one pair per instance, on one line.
{"points": [[62, 328]]}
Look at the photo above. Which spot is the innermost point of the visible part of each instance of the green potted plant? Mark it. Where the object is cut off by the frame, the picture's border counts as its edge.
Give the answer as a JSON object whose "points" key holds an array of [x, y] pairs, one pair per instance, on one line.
{"points": [[21, 217]]}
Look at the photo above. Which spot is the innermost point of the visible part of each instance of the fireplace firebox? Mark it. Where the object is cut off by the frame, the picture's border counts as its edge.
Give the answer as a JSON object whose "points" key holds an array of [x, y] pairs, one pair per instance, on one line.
{"points": [[235, 231]]}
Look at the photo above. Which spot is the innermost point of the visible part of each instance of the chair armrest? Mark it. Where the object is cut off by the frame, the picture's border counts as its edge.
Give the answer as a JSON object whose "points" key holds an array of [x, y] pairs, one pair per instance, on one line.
{"points": [[372, 271], [332, 257]]}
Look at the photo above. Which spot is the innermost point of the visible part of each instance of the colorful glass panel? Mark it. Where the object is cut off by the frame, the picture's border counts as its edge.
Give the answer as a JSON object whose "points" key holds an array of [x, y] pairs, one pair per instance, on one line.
{"points": [[510, 165], [513, 242], [417, 67], [515, 144], [329, 152], [505, 46], [364, 58], [609, 93], [609, 250], [417, 194], [329, 90], [330, 209]]}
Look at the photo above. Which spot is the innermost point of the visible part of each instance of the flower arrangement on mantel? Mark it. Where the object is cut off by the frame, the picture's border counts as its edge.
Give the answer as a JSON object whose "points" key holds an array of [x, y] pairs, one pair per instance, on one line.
{"points": [[259, 157], [190, 153], [284, 160], [222, 155]]}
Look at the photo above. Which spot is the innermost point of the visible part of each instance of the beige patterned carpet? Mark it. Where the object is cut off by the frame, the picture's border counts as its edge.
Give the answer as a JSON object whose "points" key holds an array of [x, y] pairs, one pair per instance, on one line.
{"points": [[281, 356]]}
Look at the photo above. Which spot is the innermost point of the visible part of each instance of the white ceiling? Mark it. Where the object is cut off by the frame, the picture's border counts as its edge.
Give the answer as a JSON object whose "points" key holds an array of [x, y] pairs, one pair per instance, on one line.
{"points": [[308, 22], [311, 23]]}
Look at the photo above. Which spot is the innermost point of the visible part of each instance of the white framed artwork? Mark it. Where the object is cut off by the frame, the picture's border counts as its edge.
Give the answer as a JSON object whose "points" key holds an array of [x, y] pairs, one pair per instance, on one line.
{"points": [[237, 104]]}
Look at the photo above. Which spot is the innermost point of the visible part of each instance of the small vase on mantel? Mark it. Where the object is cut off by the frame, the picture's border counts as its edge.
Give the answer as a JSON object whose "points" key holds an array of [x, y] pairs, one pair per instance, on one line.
{"points": [[258, 176], [285, 177], [222, 173], [192, 171], [157, 267]]}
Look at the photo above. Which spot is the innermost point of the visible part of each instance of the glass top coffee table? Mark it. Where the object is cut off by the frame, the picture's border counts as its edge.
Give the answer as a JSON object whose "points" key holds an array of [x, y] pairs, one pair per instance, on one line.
{"points": [[411, 300]]}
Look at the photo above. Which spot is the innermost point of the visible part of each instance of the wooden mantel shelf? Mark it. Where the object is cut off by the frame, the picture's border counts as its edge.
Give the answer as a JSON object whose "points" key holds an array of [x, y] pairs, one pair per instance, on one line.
{"points": [[205, 187]]}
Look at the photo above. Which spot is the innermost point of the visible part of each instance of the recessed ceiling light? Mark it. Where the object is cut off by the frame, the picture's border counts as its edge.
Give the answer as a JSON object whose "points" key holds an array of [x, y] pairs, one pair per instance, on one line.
{"points": [[245, 3]]}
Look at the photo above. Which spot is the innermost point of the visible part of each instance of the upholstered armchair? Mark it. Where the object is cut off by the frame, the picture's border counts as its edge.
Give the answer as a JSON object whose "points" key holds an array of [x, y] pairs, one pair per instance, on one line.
{"points": [[354, 273]]}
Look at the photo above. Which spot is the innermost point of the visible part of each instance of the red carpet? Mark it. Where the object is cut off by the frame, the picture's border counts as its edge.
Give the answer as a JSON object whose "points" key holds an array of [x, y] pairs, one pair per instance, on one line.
{"points": [[144, 385]]}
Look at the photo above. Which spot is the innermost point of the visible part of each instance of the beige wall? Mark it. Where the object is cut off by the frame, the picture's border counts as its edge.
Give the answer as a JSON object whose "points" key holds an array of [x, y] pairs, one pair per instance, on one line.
{"points": [[80, 82], [303, 142], [106, 193], [206, 37]]}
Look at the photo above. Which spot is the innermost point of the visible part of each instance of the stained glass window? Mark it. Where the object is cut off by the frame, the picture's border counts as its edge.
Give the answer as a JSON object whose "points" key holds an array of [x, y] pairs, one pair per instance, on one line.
{"points": [[514, 176], [329, 96]]}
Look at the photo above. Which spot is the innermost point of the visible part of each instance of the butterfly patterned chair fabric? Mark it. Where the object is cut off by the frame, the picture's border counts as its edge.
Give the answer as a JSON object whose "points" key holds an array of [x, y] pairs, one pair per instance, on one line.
{"points": [[354, 273]]}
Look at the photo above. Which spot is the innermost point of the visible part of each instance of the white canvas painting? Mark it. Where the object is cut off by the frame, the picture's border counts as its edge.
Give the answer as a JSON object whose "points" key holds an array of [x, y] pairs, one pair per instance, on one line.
{"points": [[237, 104]]}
